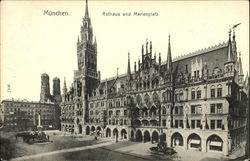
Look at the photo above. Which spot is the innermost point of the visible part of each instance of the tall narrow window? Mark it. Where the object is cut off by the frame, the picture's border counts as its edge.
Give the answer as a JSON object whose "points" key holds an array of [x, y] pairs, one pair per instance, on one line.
{"points": [[219, 124], [181, 95], [198, 123], [176, 124], [192, 124], [212, 92], [164, 123], [193, 109], [181, 123], [212, 108], [219, 108], [198, 110], [176, 110], [193, 94], [219, 91], [180, 110], [198, 93], [164, 111], [176, 96], [212, 124]]}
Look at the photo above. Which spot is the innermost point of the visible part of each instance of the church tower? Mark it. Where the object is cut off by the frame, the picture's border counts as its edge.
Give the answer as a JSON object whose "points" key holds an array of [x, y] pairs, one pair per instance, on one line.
{"points": [[45, 88], [86, 48], [86, 77], [57, 90]]}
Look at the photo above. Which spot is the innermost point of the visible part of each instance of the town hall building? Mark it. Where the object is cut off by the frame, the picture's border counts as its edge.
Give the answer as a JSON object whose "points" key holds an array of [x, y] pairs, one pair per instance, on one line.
{"points": [[197, 101]]}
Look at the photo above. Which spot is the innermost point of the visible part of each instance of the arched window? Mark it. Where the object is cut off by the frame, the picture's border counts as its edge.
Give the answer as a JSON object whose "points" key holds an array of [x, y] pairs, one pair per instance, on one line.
{"points": [[144, 85], [146, 99], [164, 96], [176, 95], [181, 95], [198, 90], [212, 91], [157, 82], [139, 99], [153, 83], [164, 111], [156, 99], [148, 84], [193, 93], [219, 90], [169, 95]]}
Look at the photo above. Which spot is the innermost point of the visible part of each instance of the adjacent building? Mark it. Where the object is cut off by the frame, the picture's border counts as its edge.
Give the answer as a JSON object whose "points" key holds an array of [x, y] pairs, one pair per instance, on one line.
{"points": [[22, 115], [197, 101]]}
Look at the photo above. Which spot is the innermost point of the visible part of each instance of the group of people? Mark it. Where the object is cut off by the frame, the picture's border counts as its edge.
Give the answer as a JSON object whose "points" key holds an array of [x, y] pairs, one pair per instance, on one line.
{"points": [[36, 136]]}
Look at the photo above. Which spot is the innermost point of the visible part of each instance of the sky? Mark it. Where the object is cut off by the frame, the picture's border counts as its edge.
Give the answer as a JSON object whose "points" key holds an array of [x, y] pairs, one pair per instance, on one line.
{"points": [[33, 43]]}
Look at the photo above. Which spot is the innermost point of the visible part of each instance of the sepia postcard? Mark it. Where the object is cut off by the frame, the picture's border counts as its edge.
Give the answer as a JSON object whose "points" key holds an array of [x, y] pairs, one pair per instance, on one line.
{"points": [[124, 80]]}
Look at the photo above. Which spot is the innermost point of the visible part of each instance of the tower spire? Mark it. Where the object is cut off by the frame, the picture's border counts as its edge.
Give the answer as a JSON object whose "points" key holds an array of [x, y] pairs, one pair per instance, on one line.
{"points": [[86, 10], [240, 66], [117, 69], [229, 52], [134, 66], [64, 86], [128, 70], [169, 56], [150, 47], [159, 59]]}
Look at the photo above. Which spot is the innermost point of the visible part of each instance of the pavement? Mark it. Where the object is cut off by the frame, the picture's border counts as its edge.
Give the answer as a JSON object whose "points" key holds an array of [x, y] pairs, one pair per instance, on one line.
{"points": [[61, 151], [68, 147]]}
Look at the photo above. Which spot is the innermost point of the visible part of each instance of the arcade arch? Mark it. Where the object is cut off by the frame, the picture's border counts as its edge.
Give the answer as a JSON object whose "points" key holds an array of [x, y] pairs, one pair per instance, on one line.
{"points": [[155, 136], [138, 135], [176, 139], [146, 136], [194, 141], [214, 143]]}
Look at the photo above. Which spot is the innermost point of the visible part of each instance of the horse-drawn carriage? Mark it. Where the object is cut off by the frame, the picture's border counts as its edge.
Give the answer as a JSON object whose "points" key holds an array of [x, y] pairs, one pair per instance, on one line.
{"points": [[162, 149], [33, 137]]}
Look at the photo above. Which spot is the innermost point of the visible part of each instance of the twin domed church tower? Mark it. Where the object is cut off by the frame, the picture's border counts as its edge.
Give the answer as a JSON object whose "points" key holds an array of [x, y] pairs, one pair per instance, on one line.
{"points": [[45, 95]]}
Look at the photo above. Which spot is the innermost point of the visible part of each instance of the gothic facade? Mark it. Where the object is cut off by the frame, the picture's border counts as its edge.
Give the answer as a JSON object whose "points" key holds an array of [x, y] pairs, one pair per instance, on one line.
{"points": [[197, 101]]}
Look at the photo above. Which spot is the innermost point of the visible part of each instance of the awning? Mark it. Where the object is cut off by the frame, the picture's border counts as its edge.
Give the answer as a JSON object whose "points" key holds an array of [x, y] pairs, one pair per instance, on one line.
{"points": [[216, 143], [193, 141]]}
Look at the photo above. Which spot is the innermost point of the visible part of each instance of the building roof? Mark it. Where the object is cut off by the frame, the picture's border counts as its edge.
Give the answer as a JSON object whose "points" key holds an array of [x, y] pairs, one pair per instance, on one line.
{"points": [[25, 101], [207, 55]]}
